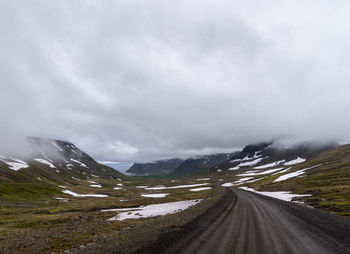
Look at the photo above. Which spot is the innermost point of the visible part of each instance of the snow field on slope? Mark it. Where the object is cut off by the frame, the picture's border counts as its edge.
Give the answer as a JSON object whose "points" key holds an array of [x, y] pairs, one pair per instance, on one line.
{"points": [[151, 210], [250, 163], [84, 195], [251, 173], [283, 195], [296, 161], [293, 174], [270, 165], [155, 195], [45, 162], [15, 164], [200, 189], [175, 187]]}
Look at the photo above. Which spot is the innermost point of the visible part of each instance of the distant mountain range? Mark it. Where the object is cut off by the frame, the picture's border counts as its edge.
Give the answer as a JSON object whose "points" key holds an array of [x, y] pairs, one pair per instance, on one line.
{"points": [[155, 168], [57, 161], [178, 167], [52, 161], [201, 163], [251, 154]]}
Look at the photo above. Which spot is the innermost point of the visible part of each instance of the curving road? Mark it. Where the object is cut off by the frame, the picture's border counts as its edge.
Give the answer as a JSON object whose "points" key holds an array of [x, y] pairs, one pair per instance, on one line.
{"points": [[253, 223]]}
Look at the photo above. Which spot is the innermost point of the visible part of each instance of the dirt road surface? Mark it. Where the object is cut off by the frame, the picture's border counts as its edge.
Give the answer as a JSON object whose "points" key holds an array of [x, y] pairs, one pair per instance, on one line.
{"points": [[253, 223]]}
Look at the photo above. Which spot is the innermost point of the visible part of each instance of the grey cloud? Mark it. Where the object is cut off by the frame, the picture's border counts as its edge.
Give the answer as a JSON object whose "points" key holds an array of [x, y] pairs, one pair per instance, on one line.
{"points": [[143, 80]]}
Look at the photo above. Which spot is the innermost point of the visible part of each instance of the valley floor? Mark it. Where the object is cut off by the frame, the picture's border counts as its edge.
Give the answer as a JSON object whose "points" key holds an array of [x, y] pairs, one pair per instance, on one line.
{"points": [[74, 217], [109, 216]]}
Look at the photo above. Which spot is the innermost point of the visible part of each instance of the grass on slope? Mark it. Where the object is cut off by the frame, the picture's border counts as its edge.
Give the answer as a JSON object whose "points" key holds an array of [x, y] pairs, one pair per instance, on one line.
{"points": [[329, 183], [26, 191]]}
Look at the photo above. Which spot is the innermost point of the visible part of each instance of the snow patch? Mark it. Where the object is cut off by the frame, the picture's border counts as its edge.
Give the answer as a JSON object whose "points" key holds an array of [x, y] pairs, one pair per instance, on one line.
{"points": [[69, 166], [283, 195], [236, 160], [203, 179], [293, 174], [250, 163], [155, 195], [96, 185], [17, 165], [260, 173], [243, 180], [80, 163], [45, 162], [296, 161], [151, 210], [227, 184], [252, 181], [19, 161], [55, 144], [282, 171], [247, 158], [200, 189], [62, 199], [270, 165], [176, 187], [84, 195]]}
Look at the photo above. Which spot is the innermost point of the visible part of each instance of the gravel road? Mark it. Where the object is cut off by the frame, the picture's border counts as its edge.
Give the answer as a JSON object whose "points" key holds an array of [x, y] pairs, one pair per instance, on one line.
{"points": [[253, 223]]}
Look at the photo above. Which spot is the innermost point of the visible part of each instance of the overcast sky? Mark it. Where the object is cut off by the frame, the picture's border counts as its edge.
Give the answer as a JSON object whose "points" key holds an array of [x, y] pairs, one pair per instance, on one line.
{"points": [[144, 80]]}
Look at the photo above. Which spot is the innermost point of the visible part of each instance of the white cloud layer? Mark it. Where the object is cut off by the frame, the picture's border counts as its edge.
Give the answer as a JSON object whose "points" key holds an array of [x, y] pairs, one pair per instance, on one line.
{"points": [[143, 80]]}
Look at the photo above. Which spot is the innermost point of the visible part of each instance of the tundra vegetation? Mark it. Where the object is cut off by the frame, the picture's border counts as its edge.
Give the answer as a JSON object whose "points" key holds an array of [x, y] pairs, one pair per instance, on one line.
{"points": [[49, 217]]}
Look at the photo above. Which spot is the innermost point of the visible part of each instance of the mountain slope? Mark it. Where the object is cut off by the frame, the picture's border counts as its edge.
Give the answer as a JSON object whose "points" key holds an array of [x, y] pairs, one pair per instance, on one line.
{"points": [[325, 177], [201, 163], [155, 168], [269, 155], [318, 174], [52, 161], [251, 155]]}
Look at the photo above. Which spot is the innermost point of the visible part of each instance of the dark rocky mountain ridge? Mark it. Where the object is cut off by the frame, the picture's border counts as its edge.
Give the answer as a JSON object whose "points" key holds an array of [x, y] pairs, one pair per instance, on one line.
{"points": [[201, 163], [155, 168]]}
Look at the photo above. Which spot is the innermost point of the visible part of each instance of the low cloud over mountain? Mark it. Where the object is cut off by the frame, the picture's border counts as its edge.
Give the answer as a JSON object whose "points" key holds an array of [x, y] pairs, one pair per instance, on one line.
{"points": [[149, 80]]}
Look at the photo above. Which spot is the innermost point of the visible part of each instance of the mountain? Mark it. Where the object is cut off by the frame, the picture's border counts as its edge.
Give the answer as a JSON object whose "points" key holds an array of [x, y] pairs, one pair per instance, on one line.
{"points": [[201, 163], [272, 155], [155, 168], [52, 161], [251, 155], [322, 178]]}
